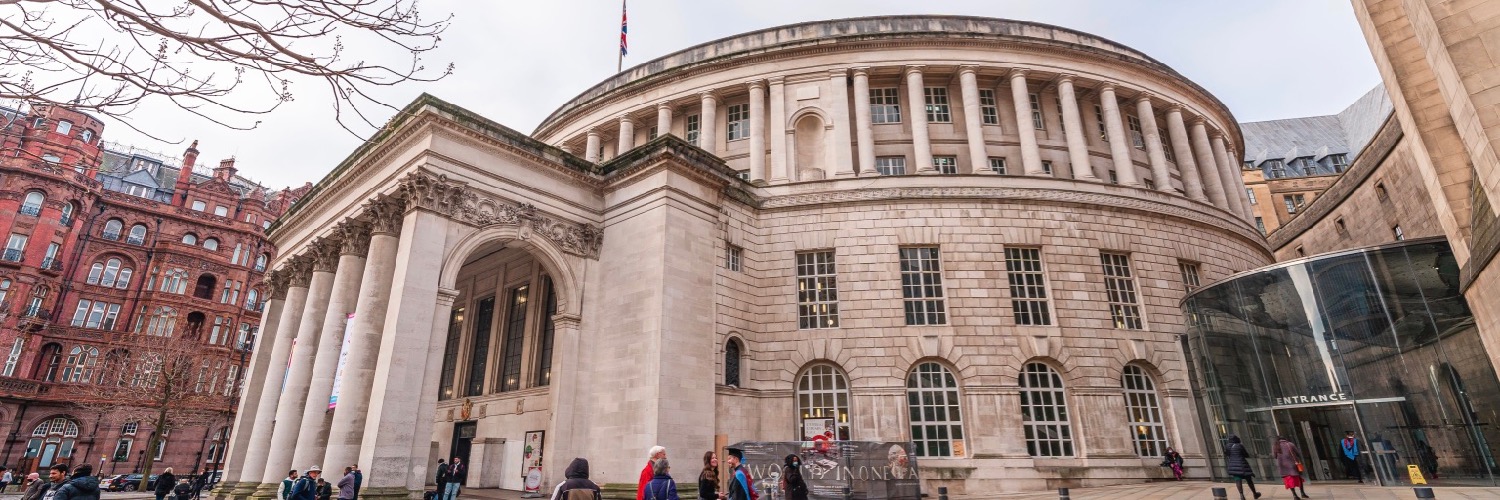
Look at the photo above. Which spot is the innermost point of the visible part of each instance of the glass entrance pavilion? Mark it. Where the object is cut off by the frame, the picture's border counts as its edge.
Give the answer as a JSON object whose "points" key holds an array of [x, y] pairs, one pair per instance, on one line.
{"points": [[1376, 341]]}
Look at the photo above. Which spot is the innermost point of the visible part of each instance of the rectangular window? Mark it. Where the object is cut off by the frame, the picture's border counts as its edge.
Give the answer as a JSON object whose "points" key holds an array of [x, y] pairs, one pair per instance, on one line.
{"points": [[885, 106], [1190, 279], [1166, 146], [1261, 225], [549, 331], [891, 165], [1250, 193], [1150, 184], [221, 210], [738, 122], [1339, 162], [1275, 169], [817, 290], [14, 358], [450, 354], [199, 206], [1400, 235], [692, 129], [480, 353], [1028, 286], [1137, 138], [945, 164], [1099, 120], [922, 286], [1120, 285], [997, 164], [81, 313], [732, 257], [1113, 177], [989, 111], [937, 105], [1293, 202], [1036, 112], [1047, 167], [651, 133], [515, 336]]}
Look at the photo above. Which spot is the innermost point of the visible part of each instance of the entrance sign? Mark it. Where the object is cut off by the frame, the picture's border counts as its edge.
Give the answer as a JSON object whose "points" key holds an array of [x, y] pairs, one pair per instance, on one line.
{"points": [[867, 470], [1315, 398], [1416, 474]]}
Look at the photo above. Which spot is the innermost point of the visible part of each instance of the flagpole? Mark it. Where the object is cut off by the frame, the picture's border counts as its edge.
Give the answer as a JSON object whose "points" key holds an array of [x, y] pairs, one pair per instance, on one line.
{"points": [[620, 52]]}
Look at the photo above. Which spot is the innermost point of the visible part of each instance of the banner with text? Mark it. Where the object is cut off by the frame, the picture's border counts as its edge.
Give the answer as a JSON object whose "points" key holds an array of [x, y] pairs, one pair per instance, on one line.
{"points": [[870, 470]]}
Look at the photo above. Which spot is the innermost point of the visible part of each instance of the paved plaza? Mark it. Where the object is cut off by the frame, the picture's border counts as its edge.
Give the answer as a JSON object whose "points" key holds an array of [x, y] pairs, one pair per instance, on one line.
{"points": [[1204, 490]]}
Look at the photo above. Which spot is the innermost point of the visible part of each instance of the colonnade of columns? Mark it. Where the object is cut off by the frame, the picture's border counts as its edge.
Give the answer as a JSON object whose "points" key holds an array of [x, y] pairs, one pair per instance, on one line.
{"points": [[1200, 153]]}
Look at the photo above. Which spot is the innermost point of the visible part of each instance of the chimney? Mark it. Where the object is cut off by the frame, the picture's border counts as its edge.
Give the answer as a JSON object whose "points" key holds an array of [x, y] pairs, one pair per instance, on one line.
{"points": [[226, 170], [185, 174]]}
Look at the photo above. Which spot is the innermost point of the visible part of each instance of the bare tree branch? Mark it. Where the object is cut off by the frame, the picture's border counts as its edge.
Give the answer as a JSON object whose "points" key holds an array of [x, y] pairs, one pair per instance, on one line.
{"points": [[223, 60]]}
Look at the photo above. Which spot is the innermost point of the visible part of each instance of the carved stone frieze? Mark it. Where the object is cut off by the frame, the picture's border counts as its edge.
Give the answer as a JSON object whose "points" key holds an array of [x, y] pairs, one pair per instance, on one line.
{"points": [[298, 271], [583, 240], [435, 192], [384, 215], [354, 238], [324, 253]]}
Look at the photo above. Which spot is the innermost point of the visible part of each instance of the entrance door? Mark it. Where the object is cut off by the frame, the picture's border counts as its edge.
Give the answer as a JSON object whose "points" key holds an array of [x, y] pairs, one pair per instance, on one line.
{"points": [[463, 436]]}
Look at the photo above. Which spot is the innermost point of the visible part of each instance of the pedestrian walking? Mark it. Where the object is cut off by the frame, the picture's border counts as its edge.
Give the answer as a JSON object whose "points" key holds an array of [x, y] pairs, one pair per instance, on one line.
{"points": [[1289, 465], [182, 490], [576, 485], [6, 476], [1173, 460], [36, 487], [164, 483], [1237, 462], [347, 488], [656, 453], [741, 486], [708, 479], [82, 485], [442, 476], [457, 474], [306, 487], [791, 479], [1350, 447], [661, 487], [285, 491]]}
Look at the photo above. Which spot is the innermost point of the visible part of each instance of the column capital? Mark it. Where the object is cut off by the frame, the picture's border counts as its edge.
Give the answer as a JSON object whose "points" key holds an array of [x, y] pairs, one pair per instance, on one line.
{"points": [[707, 95], [298, 271], [275, 283], [384, 215], [757, 83], [1144, 96], [968, 68], [423, 189], [667, 105], [324, 253], [1066, 77], [861, 71], [1173, 107], [625, 117], [354, 237], [912, 68], [1215, 134], [592, 132], [1017, 73], [1196, 121], [1106, 86]]}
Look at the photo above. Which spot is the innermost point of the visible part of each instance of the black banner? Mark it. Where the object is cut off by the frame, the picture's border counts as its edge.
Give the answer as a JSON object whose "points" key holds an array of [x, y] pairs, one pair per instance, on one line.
{"points": [[836, 470]]}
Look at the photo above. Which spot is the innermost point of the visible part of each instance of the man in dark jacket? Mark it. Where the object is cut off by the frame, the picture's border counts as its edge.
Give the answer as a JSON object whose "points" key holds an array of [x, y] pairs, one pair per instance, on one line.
{"points": [[306, 487], [359, 480], [739, 487], [577, 486], [442, 476], [164, 483], [457, 473], [82, 486]]}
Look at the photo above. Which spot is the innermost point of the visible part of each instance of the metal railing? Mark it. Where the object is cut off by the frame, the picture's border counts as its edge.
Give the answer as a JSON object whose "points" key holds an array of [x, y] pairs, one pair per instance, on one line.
{"points": [[112, 236], [52, 264], [13, 255], [31, 209], [136, 240]]}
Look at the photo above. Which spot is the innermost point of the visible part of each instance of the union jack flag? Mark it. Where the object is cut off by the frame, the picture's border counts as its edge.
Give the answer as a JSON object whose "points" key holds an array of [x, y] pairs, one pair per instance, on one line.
{"points": [[623, 45]]}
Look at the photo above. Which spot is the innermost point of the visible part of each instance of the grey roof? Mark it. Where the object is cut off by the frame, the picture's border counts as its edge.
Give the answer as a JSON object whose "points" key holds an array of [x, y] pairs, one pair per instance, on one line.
{"points": [[1345, 133]]}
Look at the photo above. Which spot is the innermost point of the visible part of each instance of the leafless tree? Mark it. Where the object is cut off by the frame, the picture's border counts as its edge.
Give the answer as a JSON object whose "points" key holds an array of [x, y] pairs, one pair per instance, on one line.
{"points": [[224, 60], [161, 382]]}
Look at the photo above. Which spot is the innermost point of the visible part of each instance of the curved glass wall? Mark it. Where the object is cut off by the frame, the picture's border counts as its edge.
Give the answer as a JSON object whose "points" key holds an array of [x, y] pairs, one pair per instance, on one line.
{"points": [[1377, 341]]}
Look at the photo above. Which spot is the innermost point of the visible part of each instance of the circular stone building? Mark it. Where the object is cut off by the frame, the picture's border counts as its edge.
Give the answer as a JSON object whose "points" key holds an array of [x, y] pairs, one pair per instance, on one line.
{"points": [[967, 234]]}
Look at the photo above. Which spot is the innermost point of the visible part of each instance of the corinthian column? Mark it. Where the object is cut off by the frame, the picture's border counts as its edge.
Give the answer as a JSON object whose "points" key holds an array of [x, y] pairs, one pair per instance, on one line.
{"points": [[757, 130], [258, 450], [312, 439], [862, 134], [348, 429], [289, 409], [707, 122], [968, 83], [591, 147], [1192, 185], [1031, 157], [921, 143], [1119, 143], [1209, 169], [627, 135], [249, 414], [1234, 187], [779, 173], [1078, 146], [1159, 172]]}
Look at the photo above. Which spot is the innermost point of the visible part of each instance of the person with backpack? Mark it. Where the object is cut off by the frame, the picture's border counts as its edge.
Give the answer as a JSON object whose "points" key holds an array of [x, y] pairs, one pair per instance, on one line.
{"points": [[83, 485], [741, 484], [661, 487], [577, 485], [306, 487]]}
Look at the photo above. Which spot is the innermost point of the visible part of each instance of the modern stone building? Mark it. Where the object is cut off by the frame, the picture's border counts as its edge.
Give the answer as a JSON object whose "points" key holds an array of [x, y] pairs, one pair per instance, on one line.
{"points": [[971, 234]]}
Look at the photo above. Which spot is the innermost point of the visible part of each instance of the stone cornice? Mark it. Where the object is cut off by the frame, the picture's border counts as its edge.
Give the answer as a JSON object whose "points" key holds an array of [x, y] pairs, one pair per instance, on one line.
{"points": [[456, 200]]}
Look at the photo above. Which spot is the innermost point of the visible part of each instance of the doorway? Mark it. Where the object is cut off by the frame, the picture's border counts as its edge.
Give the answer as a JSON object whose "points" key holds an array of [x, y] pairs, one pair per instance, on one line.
{"points": [[463, 436]]}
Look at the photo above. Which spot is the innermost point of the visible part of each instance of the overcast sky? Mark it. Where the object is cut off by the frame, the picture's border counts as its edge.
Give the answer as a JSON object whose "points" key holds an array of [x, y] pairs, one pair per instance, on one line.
{"points": [[517, 61]]}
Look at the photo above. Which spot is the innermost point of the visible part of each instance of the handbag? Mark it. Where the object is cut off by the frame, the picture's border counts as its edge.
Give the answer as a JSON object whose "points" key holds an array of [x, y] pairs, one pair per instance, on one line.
{"points": [[1299, 467]]}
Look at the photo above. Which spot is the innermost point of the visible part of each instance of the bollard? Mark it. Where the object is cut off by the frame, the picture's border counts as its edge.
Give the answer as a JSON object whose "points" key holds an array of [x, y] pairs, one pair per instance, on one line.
{"points": [[1220, 494], [1424, 492], [1062, 494], [942, 493]]}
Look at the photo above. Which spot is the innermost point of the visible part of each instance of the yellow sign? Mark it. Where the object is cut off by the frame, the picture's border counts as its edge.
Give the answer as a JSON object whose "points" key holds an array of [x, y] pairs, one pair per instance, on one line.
{"points": [[1416, 474]]}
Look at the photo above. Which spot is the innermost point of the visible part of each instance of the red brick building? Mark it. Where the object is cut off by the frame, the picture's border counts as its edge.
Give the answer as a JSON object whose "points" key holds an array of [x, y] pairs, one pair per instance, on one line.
{"points": [[103, 244]]}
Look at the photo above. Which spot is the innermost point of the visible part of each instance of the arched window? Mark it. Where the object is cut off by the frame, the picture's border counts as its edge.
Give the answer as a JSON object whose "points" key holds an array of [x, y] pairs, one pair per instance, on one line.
{"points": [[96, 272], [161, 321], [116, 366], [112, 229], [123, 281], [175, 281], [1044, 412], [251, 299], [33, 203], [111, 271], [47, 363], [189, 239], [205, 287], [732, 363], [1141, 404], [80, 366], [137, 234], [260, 262], [4, 292], [211, 244], [67, 213], [823, 402], [933, 404], [52, 441]]}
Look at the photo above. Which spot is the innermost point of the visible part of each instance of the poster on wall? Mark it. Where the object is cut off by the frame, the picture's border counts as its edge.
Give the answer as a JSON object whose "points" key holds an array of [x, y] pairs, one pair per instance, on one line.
{"points": [[531, 460], [869, 470], [338, 376]]}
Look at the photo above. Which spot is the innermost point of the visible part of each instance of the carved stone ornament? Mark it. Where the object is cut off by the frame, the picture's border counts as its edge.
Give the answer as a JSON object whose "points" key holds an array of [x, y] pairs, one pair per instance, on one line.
{"points": [[354, 238], [384, 214], [298, 272], [583, 240], [276, 284], [422, 189], [324, 254]]}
